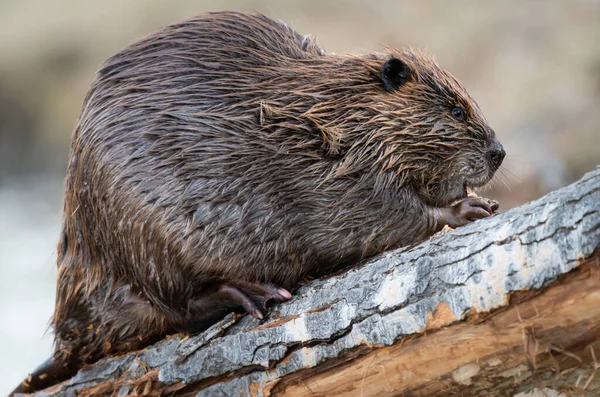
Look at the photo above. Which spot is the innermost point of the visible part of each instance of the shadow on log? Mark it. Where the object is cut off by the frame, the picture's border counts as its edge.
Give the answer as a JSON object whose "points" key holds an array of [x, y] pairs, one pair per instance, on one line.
{"points": [[498, 307]]}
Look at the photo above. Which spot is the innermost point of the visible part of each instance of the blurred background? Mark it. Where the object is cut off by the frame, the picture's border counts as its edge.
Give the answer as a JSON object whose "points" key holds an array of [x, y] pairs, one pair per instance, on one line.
{"points": [[533, 66]]}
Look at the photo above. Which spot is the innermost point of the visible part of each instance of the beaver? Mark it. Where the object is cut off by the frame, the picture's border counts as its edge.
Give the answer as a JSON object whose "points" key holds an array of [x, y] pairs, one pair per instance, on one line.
{"points": [[219, 161]]}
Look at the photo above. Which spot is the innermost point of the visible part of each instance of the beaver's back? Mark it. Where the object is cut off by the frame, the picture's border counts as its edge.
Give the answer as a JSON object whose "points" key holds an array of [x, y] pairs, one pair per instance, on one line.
{"points": [[194, 159]]}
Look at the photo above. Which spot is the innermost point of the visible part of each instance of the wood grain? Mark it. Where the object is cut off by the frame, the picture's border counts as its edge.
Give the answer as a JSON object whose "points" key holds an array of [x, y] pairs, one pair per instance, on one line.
{"points": [[504, 353]]}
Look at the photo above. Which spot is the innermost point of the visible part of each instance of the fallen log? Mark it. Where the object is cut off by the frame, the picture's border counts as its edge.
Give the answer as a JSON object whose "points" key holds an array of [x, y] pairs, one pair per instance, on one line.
{"points": [[498, 307]]}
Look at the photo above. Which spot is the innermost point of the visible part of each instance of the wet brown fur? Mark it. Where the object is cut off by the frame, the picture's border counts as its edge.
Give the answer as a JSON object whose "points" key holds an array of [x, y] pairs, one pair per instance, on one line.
{"points": [[231, 147]]}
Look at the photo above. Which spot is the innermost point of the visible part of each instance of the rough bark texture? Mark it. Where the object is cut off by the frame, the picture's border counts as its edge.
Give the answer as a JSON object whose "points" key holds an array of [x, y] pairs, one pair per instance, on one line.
{"points": [[497, 307]]}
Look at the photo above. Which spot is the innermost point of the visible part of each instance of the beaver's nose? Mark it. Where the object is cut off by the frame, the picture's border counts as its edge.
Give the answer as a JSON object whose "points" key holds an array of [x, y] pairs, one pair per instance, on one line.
{"points": [[495, 155]]}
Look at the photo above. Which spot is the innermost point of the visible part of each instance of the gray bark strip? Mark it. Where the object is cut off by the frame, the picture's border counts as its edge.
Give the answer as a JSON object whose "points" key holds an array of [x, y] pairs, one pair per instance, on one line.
{"points": [[473, 268]]}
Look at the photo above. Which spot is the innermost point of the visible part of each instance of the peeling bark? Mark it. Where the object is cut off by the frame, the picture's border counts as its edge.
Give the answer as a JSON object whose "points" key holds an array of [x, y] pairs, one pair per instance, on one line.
{"points": [[500, 306]]}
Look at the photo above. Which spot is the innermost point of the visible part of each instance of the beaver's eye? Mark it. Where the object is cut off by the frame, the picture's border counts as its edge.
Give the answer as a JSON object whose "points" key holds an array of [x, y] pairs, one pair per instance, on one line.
{"points": [[458, 114]]}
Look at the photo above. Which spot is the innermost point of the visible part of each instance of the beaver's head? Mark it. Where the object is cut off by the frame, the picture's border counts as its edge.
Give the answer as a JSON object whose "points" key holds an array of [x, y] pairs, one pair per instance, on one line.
{"points": [[430, 131]]}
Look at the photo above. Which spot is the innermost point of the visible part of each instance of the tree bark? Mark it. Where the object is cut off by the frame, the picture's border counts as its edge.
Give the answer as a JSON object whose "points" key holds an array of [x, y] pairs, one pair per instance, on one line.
{"points": [[498, 307]]}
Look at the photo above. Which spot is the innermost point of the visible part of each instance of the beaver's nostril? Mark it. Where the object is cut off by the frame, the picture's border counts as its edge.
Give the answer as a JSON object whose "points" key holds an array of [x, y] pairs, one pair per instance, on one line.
{"points": [[496, 156]]}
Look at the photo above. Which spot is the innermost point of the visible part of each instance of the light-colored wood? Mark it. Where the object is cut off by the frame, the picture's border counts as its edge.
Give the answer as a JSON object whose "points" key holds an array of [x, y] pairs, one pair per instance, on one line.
{"points": [[500, 355]]}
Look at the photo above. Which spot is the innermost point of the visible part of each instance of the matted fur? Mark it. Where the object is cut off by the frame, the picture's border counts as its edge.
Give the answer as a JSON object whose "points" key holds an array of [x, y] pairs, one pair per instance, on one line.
{"points": [[231, 147]]}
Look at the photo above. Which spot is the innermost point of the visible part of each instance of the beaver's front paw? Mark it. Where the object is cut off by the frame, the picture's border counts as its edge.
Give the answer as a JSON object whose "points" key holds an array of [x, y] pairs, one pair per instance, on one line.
{"points": [[469, 210]]}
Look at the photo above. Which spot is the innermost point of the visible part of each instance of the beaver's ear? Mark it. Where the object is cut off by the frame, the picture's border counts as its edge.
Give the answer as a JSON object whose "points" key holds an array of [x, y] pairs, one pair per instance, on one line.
{"points": [[394, 73]]}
